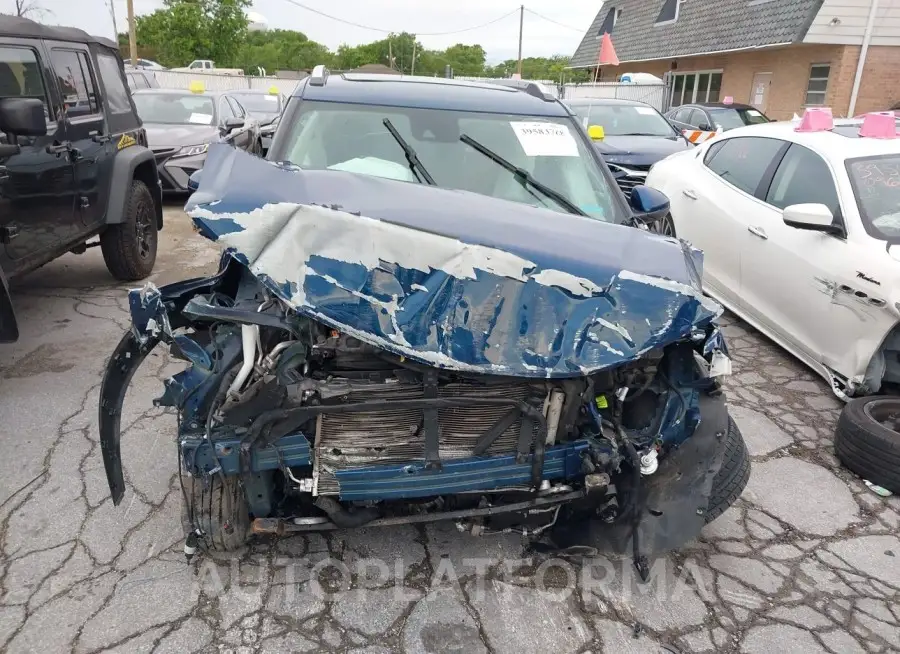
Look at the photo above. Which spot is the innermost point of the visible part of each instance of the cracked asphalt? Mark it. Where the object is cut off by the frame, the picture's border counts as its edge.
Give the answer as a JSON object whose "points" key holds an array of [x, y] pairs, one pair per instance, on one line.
{"points": [[808, 560]]}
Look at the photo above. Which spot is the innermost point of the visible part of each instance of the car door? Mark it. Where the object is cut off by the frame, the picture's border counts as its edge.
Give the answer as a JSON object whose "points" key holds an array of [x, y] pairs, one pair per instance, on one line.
{"points": [[789, 274], [83, 117], [245, 138], [37, 184], [715, 203]]}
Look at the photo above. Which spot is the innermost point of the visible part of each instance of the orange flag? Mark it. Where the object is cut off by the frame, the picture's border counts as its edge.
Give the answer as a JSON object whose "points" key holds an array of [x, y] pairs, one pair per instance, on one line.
{"points": [[608, 55]]}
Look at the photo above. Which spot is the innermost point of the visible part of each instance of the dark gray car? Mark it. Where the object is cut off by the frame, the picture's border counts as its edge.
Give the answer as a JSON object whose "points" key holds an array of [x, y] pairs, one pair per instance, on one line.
{"points": [[181, 124]]}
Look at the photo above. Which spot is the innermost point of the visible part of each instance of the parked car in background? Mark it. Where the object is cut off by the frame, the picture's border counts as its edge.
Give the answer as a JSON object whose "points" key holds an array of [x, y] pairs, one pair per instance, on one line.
{"points": [[146, 64], [266, 107], [181, 124], [702, 121], [631, 136], [207, 66], [800, 233], [74, 162], [436, 306], [141, 79]]}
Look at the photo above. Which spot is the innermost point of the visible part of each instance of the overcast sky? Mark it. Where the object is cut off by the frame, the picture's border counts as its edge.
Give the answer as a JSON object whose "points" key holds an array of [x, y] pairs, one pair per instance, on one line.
{"points": [[500, 40]]}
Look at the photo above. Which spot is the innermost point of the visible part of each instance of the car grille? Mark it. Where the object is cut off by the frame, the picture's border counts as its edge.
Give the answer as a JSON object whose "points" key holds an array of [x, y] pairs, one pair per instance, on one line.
{"points": [[627, 177]]}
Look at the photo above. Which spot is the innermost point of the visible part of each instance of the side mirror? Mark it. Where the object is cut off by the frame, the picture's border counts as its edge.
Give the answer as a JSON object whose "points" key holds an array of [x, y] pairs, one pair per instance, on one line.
{"points": [[194, 180], [232, 124], [648, 204], [596, 132], [811, 216], [22, 117]]}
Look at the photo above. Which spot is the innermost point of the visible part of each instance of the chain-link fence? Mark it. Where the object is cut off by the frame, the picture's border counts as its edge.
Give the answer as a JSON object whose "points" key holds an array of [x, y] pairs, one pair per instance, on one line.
{"points": [[170, 79]]}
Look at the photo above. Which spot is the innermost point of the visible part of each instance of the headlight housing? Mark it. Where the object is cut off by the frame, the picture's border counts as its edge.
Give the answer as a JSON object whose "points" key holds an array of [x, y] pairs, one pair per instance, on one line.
{"points": [[190, 150]]}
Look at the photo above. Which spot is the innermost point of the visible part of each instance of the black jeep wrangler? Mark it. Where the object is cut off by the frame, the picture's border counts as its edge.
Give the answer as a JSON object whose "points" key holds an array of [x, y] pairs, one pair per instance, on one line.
{"points": [[74, 161]]}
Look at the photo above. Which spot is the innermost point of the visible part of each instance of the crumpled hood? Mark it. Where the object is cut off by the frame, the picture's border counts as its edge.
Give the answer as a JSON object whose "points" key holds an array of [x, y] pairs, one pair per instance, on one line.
{"points": [[451, 278]]}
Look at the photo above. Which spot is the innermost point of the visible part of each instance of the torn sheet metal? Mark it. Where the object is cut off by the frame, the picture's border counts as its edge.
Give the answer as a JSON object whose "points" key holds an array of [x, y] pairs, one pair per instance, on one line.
{"points": [[451, 278]]}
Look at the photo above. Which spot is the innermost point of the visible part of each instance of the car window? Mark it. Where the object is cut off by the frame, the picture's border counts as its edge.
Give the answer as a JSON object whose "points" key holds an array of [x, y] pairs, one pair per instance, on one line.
{"points": [[803, 177], [744, 160], [225, 109], [20, 75], [73, 74], [683, 115], [700, 120], [732, 118], [175, 108], [237, 108], [116, 93], [131, 81], [623, 119], [711, 152], [876, 186], [353, 137]]}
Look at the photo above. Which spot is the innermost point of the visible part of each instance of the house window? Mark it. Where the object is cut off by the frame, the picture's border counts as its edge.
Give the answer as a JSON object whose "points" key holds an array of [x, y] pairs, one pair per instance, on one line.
{"points": [[818, 84], [700, 86], [608, 23], [669, 12]]}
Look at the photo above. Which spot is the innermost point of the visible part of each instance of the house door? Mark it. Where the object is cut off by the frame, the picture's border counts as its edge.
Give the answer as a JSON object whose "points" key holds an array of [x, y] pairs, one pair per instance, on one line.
{"points": [[759, 94]]}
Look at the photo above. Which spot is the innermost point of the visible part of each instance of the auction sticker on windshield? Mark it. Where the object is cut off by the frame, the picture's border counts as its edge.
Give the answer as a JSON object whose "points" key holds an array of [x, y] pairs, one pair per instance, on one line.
{"points": [[545, 139], [201, 119]]}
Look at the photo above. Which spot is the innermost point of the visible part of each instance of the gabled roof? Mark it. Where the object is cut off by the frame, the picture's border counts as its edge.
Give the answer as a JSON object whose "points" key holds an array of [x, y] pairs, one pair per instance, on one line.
{"points": [[703, 26]]}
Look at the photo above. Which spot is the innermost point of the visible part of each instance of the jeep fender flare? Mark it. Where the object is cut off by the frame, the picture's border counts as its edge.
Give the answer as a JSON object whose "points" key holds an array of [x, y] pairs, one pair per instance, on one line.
{"points": [[9, 328], [135, 162]]}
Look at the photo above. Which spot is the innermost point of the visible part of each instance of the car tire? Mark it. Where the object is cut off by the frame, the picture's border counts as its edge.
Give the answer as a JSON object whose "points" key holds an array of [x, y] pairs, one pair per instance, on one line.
{"points": [[732, 478], [866, 445], [129, 247], [217, 506]]}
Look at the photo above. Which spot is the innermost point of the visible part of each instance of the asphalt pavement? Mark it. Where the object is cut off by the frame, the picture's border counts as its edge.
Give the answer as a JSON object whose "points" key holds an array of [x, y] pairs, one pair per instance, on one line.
{"points": [[808, 560]]}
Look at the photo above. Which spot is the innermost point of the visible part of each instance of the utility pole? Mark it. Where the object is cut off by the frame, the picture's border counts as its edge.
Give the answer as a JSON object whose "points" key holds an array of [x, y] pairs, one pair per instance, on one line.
{"points": [[521, 24], [112, 12], [412, 68], [132, 38], [390, 54]]}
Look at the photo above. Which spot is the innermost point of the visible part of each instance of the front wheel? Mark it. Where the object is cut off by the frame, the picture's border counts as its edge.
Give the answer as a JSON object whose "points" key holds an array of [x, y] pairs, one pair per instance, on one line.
{"points": [[732, 478], [217, 506], [129, 247]]}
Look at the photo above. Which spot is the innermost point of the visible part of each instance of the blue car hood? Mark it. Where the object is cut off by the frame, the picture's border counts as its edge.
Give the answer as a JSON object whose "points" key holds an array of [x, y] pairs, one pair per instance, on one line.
{"points": [[639, 150], [451, 278]]}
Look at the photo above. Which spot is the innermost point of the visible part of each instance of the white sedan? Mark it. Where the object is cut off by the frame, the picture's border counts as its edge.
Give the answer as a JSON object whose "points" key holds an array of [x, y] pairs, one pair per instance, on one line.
{"points": [[801, 238]]}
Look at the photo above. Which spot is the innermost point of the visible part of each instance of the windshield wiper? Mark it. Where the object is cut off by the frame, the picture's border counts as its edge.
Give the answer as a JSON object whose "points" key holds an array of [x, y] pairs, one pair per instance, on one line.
{"points": [[523, 176], [411, 157]]}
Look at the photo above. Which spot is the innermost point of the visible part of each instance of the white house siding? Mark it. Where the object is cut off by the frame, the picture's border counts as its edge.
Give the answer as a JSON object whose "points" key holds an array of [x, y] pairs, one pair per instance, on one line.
{"points": [[853, 15]]}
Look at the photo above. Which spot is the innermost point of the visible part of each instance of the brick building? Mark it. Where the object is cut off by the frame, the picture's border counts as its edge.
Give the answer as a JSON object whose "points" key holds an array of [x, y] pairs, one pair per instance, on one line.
{"points": [[778, 55]]}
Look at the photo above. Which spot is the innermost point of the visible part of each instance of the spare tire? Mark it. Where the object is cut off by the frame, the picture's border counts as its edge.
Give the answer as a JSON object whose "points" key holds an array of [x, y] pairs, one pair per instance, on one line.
{"points": [[867, 440]]}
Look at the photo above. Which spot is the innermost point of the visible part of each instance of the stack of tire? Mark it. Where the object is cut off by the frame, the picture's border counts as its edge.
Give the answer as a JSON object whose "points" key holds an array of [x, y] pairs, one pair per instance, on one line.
{"points": [[867, 440]]}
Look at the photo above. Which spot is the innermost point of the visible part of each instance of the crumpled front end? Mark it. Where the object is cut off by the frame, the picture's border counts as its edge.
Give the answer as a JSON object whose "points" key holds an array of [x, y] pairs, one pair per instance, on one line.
{"points": [[402, 354]]}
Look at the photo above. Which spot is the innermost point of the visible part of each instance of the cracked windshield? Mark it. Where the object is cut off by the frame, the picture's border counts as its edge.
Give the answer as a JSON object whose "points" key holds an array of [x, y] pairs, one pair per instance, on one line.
{"points": [[356, 139], [876, 184]]}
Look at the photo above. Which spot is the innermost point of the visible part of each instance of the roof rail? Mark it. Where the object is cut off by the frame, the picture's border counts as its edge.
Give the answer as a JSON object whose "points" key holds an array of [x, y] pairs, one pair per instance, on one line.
{"points": [[816, 119], [319, 75], [879, 125]]}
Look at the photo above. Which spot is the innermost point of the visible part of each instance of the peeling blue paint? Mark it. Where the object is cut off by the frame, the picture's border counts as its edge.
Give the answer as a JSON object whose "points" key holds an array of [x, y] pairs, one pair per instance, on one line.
{"points": [[588, 295]]}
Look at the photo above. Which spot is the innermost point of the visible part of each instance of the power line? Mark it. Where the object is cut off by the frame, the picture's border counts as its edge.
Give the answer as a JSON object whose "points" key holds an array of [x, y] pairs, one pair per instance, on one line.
{"points": [[384, 31], [550, 20]]}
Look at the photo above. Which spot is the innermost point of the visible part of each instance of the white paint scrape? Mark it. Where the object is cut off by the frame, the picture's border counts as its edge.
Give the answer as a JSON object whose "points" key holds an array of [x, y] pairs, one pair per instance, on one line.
{"points": [[279, 239]]}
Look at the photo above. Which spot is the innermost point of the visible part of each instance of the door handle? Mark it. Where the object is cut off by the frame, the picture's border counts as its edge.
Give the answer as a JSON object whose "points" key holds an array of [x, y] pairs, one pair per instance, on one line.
{"points": [[758, 231], [689, 194]]}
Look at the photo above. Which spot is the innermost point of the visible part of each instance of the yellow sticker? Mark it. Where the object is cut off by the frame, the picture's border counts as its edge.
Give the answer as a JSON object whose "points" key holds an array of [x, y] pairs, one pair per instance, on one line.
{"points": [[601, 402], [126, 141]]}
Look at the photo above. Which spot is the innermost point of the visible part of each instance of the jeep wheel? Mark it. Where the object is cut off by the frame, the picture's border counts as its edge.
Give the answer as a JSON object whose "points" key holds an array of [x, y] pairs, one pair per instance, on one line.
{"points": [[129, 247], [219, 509]]}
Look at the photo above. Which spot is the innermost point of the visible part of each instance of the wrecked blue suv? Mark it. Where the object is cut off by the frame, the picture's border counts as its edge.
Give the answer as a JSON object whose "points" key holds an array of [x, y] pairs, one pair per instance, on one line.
{"points": [[435, 304]]}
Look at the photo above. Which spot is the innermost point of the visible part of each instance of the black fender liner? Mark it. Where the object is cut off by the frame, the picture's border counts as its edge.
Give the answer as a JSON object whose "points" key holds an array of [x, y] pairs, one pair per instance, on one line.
{"points": [[125, 169], [126, 359], [9, 328], [673, 501]]}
